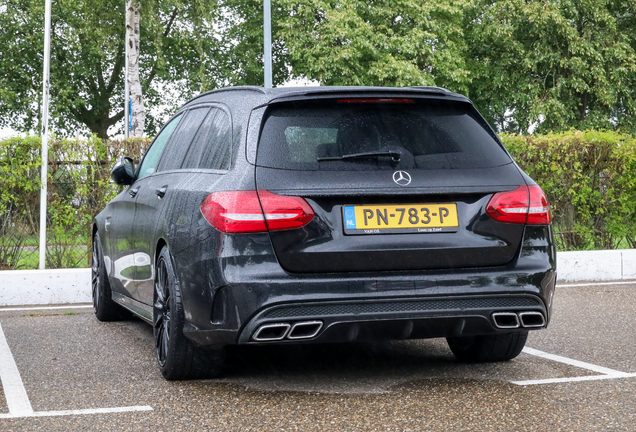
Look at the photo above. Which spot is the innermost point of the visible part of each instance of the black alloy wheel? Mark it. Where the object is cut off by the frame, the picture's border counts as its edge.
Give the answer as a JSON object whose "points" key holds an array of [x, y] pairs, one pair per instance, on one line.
{"points": [[103, 305], [178, 358], [162, 313], [96, 269]]}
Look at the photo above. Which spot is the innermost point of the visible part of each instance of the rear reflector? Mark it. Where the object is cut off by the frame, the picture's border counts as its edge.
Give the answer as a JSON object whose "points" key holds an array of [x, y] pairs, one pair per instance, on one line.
{"points": [[525, 205], [255, 211]]}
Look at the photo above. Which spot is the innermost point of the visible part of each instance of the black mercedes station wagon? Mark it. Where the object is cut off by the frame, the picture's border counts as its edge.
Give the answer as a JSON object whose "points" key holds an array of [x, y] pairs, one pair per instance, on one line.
{"points": [[325, 214]]}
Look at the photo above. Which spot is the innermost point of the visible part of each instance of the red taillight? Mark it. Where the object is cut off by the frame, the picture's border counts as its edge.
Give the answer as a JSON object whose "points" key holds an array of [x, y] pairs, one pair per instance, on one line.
{"points": [[234, 212], [284, 212], [539, 213], [255, 211], [526, 204]]}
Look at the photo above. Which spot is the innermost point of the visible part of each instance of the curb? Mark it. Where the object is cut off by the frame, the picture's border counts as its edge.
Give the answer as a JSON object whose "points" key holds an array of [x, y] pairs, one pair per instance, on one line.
{"points": [[40, 287], [62, 286], [605, 265]]}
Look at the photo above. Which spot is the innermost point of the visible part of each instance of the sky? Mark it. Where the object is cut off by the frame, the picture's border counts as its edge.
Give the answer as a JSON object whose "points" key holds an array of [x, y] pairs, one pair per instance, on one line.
{"points": [[7, 132]]}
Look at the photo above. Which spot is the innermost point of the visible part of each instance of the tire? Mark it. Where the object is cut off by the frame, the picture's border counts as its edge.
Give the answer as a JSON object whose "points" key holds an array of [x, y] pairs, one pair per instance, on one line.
{"points": [[489, 348], [177, 357], [103, 305]]}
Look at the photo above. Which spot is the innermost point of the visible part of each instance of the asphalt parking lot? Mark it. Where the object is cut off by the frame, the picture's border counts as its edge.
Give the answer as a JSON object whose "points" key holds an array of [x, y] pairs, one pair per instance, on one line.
{"points": [[61, 369]]}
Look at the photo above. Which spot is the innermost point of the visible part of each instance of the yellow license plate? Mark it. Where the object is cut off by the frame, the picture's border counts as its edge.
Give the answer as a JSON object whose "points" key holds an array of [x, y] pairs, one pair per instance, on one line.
{"points": [[401, 218]]}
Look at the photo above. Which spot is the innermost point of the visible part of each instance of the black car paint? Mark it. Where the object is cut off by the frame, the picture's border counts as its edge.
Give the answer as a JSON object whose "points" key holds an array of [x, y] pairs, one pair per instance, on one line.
{"points": [[321, 246], [229, 282]]}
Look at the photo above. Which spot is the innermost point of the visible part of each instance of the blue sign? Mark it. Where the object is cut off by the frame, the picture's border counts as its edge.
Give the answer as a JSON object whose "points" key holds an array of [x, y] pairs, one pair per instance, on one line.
{"points": [[350, 217]]}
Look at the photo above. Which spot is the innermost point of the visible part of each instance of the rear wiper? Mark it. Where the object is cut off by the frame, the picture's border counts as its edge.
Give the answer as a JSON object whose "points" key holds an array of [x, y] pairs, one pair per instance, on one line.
{"points": [[392, 156]]}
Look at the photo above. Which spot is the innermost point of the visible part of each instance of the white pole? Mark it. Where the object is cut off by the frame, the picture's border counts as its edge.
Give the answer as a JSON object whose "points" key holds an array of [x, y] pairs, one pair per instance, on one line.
{"points": [[267, 12], [126, 89], [45, 132]]}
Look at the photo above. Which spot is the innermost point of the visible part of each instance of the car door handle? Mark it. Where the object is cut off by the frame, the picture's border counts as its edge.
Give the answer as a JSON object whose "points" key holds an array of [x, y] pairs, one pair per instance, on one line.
{"points": [[133, 192], [161, 191]]}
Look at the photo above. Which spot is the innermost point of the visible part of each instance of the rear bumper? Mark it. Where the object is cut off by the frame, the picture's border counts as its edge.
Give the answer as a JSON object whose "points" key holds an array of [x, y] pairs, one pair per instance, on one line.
{"points": [[439, 310], [384, 305], [398, 318]]}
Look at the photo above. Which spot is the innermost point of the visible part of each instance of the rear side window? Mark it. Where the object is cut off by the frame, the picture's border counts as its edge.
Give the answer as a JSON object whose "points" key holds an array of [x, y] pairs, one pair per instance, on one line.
{"points": [[181, 138], [211, 148], [427, 134], [151, 159]]}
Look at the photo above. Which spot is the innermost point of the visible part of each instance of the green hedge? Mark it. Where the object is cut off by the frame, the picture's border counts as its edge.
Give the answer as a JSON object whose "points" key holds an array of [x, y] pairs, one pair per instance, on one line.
{"points": [[590, 180], [589, 177], [78, 188]]}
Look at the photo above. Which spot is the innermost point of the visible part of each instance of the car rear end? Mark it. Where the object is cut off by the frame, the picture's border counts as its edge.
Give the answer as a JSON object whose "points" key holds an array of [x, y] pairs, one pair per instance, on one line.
{"points": [[381, 214]]}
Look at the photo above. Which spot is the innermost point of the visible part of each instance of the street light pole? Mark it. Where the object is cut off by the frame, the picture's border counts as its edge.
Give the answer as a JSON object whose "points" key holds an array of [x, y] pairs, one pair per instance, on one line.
{"points": [[45, 132], [267, 24]]}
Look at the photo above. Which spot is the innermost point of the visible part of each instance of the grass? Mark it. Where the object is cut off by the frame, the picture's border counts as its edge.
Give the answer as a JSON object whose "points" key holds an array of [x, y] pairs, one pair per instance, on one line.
{"points": [[34, 240], [75, 258], [43, 314], [20, 251]]}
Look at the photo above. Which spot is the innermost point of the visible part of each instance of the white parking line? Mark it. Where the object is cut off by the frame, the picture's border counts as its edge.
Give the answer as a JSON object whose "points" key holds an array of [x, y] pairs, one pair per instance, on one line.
{"points": [[633, 282], [18, 400], [78, 412], [14, 391], [572, 362], [607, 373], [32, 308], [571, 379]]}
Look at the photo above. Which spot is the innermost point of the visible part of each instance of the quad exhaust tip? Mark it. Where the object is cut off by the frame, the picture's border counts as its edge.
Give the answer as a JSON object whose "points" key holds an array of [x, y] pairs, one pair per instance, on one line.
{"points": [[532, 319], [271, 332], [506, 320], [305, 330], [280, 331], [511, 320]]}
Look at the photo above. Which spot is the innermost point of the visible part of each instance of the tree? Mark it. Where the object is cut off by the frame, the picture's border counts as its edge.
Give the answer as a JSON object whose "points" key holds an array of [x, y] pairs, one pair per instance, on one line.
{"points": [[138, 112], [177, 58], [376, 42], [555, 64], [240, 24]]}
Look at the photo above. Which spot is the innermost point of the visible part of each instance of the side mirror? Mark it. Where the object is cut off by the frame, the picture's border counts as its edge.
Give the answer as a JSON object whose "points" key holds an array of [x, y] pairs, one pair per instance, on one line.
{"points": [[123, 173]]}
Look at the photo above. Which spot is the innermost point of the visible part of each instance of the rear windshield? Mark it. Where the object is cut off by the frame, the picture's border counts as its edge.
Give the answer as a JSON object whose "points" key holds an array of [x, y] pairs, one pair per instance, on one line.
{"points": [[355, 135]]}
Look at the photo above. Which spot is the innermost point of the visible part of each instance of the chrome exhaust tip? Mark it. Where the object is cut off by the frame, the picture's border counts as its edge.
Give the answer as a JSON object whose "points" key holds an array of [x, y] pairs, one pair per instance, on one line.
{"points": [[506, 320], [271, 332], [532, 319], [305, 330]]}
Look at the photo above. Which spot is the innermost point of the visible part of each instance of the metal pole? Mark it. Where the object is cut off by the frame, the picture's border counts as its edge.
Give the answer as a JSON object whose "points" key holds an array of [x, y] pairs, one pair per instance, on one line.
{"points": [[268, 42], [126, 89], [45, 132]]}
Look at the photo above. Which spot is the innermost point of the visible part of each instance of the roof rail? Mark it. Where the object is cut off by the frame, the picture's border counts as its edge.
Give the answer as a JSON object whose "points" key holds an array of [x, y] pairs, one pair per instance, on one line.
{"points": [[257, 89], [432, 89]]}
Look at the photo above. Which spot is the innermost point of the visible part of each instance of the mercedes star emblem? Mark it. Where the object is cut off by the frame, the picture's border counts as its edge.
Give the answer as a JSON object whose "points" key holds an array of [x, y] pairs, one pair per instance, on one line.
{"points": [[402, 178]]}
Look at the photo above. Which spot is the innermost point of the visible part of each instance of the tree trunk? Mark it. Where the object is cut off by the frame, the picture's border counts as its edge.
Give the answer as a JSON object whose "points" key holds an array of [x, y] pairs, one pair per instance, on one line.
{"points": [[100, 130], [138, 112], [585, 97]]}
